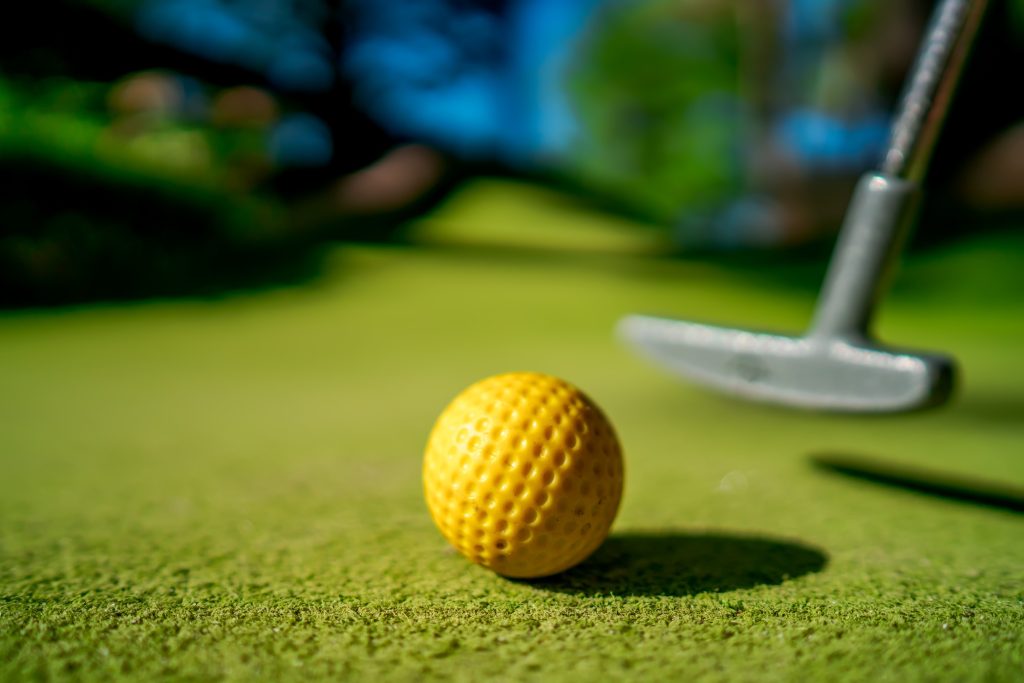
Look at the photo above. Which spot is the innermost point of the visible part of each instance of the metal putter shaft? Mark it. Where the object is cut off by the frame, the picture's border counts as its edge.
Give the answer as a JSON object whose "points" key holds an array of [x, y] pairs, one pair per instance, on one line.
{"points": [[837, 365]]}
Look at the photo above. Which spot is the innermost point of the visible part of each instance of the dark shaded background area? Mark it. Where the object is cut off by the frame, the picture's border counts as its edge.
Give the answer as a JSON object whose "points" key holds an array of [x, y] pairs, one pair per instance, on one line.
{"points": [[985, 113]]}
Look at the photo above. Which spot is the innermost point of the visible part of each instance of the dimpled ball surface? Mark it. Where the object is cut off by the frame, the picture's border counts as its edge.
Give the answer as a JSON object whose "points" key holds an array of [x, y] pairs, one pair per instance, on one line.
{"points": [[523, 474]]}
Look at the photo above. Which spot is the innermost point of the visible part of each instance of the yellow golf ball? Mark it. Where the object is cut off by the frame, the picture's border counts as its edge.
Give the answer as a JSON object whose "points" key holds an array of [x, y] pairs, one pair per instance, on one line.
{"points": [[523, 474]]}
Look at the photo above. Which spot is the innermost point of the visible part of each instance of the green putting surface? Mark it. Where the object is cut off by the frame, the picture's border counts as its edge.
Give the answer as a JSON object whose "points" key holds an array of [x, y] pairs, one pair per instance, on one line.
{"points": [[230, 488]]}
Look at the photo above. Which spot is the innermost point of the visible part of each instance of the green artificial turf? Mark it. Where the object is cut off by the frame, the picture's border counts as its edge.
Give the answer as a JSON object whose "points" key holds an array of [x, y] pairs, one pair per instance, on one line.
{"points": [[229, 489]]}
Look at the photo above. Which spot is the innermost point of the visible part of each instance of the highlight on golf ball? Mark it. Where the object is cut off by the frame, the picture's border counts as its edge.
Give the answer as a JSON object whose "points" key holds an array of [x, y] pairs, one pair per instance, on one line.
{"points": [[523, 474]]}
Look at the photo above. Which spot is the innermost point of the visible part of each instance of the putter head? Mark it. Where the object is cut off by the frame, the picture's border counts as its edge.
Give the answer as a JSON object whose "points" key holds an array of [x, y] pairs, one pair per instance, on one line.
{"points": [[804, 372]]}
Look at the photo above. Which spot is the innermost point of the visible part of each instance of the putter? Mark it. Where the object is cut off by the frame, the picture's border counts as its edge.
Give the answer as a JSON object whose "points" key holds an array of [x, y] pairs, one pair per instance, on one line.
{"points": [[838, 365]]}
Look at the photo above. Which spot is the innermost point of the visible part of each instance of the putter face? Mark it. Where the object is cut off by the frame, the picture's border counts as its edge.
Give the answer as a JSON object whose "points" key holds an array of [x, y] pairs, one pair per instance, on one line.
{"points": [[817, 374]]}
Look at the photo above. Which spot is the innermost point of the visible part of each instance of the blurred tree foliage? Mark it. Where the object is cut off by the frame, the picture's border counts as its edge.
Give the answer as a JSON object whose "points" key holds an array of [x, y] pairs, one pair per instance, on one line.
{"points": [[658, 95], [87, 212]]}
